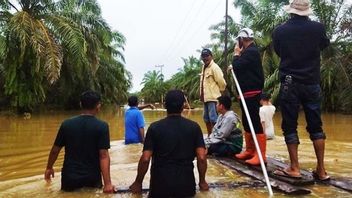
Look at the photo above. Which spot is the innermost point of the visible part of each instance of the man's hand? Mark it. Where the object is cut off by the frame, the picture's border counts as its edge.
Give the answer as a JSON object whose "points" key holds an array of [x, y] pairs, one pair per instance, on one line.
{"points": [[49, 172], [136, 187], [109, 189], [203, 186], [229, 68], [237, 50], [152, 106]]}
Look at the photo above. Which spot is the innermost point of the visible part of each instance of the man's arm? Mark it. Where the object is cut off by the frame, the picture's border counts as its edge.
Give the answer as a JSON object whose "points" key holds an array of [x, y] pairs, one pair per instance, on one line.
{"points": [[140, 107], [244, 60], [55, 150], [104, 158], [202, 167], [226, 127], [219, 78], [276, 43], [143, 165], [325, 41], [141, 131], [263, 126], [262, 119]]}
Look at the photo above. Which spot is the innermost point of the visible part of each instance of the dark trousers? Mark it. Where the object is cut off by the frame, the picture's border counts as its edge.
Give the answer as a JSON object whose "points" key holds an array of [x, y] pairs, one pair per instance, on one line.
{"points": [[253, 105], [172, 181], [74, 180], [291, 96]]}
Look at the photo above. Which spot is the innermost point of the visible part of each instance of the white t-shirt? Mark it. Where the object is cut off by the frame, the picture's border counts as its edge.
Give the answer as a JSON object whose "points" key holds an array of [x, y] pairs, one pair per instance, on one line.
{"points": [[266, 114]]}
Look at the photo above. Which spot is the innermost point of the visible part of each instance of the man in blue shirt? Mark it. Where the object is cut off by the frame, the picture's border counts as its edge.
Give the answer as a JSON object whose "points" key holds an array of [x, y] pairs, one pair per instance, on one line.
{"points": [[134, 122]]}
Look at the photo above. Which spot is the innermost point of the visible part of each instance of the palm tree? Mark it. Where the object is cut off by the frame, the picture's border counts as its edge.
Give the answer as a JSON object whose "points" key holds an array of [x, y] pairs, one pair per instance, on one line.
{"points": [[264, 15], [63, 47], [154, 88], [187, 79], [103, 70], [336, 69], [33, 49]]}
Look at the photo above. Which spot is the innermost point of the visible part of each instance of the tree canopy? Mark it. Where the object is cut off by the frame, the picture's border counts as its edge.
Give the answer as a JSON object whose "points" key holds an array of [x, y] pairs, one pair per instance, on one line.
{"points": [[51, 51]]}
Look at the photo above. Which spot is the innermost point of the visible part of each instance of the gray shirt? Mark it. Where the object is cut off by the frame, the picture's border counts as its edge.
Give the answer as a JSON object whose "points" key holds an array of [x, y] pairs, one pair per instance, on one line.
{"points": [[226, 126]]}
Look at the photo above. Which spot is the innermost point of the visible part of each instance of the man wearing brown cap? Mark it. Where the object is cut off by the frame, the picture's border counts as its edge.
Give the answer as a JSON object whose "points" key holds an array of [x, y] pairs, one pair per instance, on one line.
{"points": [[298, 43], [212, 83], [173, 143]]}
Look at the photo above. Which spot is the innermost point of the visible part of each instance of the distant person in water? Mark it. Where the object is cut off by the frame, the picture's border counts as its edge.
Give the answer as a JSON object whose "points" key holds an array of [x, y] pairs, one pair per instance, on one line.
{"points": [[266, 113], [86, 140], [172, 143], [134, 121], [226, 138]]}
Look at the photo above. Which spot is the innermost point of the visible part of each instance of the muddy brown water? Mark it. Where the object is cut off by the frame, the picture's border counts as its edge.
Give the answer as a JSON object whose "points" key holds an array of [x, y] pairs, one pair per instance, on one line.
{"points": [[25, 145]]}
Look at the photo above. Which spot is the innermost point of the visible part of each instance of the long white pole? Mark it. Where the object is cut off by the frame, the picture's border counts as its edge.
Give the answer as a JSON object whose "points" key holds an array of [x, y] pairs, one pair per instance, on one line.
{"points": [[265, 173]]}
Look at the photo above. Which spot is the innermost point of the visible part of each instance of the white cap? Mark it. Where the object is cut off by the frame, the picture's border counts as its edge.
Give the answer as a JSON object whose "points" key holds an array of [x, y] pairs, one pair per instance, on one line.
{"points": [[245, 33]]}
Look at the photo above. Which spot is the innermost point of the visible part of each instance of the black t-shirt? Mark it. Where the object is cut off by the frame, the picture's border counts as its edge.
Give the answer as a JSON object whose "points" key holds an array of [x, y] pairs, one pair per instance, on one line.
{"points": [[174, 141], [248, 69], [82, 136], [298, 43]]}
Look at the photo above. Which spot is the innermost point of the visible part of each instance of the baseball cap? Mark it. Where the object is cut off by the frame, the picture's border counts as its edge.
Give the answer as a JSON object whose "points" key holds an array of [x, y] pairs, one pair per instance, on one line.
{"points": [[245, 33], [206, 52]]}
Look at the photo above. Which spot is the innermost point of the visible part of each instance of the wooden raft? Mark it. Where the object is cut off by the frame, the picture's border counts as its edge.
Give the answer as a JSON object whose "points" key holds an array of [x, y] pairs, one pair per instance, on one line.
{"points": [[257, 174], [216, 185], [338, 182], [285, 184]]}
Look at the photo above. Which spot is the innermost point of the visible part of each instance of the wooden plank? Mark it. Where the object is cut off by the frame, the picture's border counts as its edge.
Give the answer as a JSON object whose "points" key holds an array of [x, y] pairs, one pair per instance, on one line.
{"points": [[342, 183], [272, 165], [275, 183], [216, 185]]}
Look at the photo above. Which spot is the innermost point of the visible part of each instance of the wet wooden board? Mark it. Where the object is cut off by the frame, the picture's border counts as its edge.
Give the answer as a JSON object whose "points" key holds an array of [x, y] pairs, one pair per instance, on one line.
{"points": [[342, 183], [216, 185], [273, 164], [254, 173], [339, 182]]}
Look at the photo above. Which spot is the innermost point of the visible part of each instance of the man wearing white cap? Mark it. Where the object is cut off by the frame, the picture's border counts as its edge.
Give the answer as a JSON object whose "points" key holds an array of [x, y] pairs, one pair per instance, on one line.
{"points": [[298, 43], [247, 66]]}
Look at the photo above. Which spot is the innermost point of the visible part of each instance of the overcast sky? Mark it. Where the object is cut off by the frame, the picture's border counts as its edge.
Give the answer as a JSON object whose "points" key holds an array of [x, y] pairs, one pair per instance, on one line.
{"points": [[160, 32]]}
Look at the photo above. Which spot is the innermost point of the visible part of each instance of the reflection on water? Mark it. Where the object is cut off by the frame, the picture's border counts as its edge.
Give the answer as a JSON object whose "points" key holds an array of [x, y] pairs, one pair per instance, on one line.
{"points": [[25, 144]]}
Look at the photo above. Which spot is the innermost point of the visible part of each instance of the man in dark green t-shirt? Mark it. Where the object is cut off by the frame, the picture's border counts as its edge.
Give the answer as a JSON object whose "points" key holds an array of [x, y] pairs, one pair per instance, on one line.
{"points": [[172, 143], [86, 141]]}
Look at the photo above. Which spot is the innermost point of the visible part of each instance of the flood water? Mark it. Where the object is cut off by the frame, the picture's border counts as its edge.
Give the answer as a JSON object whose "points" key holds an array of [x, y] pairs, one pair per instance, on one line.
{"points": [[25, 145]]}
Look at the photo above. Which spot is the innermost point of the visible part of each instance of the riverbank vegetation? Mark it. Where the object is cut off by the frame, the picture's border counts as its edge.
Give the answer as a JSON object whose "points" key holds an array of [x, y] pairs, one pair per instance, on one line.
{"points": [[51, 51], [263, 16]]}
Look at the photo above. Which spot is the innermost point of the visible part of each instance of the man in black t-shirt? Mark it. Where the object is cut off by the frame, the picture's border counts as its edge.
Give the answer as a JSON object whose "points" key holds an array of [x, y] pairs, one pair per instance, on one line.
{"points": [[298, 42], [172, 143], [86, 141], [247, 66]]}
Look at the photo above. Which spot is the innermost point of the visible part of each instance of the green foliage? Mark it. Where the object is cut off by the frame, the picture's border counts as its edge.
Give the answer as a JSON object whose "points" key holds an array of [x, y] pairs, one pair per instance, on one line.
{"points": [[154, 88], [53, 50], [336, 61], [187, 79]]}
